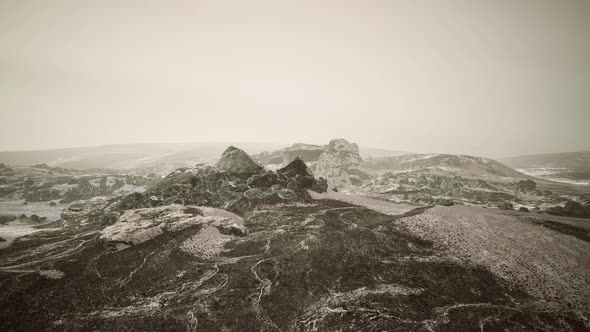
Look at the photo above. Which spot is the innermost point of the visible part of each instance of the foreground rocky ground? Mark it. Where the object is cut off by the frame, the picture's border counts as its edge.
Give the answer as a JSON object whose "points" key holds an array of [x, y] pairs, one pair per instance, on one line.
{"points": [[321, 265]]}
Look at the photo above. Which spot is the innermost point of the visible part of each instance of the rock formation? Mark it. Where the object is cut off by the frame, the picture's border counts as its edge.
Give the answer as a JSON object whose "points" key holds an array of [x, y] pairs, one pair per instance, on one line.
{"points": [[137, 226], [235, 160], [335, 163]]}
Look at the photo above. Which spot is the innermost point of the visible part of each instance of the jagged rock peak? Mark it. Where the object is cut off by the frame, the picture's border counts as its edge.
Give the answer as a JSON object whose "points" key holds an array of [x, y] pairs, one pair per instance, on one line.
{"points": [[234, 160], [296, 167]]}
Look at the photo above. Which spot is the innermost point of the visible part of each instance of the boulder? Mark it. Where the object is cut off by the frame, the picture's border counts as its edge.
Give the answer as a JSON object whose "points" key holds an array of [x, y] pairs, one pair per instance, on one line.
{"points": [[574, 209], [298, 170], [137, 226], [237, 161], [296, 167], [526, 185], [320, 185]]}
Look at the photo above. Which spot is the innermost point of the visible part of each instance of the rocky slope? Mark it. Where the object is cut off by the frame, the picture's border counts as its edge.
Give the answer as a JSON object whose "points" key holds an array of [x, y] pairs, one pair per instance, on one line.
{"points": [[174, 258]]}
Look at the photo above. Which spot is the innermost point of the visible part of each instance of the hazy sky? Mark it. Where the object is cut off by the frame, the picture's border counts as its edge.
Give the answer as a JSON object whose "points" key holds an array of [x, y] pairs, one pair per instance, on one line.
{"points": [[492, 78]]}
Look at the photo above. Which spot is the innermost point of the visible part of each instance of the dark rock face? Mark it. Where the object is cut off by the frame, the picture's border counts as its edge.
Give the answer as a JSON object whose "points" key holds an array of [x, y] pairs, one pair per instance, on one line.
{"points": [[298, 170], [237, 161], [296, 167], [506, 206], [320, 185], [574, 208], [571, 209]]}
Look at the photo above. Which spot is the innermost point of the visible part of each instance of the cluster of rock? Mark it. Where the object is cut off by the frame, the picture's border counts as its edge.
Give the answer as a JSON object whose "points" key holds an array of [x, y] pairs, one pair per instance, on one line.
{"points": [[236, 183], [338, 162]]}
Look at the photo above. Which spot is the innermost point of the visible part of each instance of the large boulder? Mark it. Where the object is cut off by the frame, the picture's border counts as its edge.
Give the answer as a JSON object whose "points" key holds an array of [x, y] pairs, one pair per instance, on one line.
{"points": [[296, 167], [299, 172], [237, 161], [574, 209], [140, 225], [526, 185]]}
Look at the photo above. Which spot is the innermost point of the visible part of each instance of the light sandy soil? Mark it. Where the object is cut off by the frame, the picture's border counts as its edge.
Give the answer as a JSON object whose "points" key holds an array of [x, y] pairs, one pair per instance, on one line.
{"points": [[370, 203], [551, 266]]}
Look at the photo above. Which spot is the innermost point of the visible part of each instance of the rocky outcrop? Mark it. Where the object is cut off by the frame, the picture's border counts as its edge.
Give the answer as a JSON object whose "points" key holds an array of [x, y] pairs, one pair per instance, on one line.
{"points": [[232, 188], [140, 225], [337, 161], [342, 152], [526, 185], [235, 160]]}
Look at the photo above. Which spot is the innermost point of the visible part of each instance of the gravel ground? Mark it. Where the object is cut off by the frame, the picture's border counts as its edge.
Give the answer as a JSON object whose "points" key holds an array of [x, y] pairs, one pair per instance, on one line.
{"points": [[549, 265]]}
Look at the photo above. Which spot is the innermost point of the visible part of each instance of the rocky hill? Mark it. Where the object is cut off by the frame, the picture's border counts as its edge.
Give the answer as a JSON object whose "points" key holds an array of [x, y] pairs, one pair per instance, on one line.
{"points": [[445, 164]]}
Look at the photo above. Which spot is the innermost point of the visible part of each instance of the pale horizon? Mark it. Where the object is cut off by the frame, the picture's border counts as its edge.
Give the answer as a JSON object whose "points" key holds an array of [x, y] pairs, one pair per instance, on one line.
{"points": [[492, 79]]}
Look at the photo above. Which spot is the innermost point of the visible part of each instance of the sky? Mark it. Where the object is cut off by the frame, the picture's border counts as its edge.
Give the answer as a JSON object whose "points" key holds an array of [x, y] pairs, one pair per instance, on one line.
{"points": [[490, 78]]}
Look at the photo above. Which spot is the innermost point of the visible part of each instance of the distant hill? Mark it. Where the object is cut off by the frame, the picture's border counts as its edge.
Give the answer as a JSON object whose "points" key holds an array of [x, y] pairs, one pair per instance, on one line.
{"points": [[444, 164], [571, 167], [128, 156], [160, 158]]}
